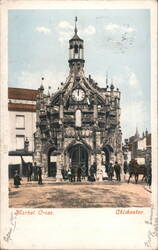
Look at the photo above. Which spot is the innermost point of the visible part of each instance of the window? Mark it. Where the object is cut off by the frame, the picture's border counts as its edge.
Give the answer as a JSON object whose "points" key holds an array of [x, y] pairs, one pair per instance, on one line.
{"points": [[76, 48], [20, 142], [20, 122], [78, 122]]}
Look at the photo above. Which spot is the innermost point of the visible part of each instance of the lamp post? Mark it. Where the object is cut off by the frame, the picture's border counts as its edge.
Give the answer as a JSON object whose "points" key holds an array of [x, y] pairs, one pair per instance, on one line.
{"points": [[26, 145]]}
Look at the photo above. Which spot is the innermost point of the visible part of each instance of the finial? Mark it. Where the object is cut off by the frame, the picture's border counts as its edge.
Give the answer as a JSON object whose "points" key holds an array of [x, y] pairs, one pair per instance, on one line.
{"points": [[106, 78], [75, 25], [112, 85], [42, 87]]}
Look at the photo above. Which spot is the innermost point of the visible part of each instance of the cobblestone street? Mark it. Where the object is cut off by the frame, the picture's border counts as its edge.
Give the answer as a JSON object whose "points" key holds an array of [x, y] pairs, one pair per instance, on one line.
{"points": [[79, 195]]}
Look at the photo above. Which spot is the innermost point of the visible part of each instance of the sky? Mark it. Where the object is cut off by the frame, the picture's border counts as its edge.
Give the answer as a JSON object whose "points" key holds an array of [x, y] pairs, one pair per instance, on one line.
{"points": [[116, 42]]}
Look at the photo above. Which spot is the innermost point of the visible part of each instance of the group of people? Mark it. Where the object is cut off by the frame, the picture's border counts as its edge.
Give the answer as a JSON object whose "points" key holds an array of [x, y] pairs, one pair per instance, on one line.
{"points": [[73, 172], [33, 173], [81, 172], [111, 169]]}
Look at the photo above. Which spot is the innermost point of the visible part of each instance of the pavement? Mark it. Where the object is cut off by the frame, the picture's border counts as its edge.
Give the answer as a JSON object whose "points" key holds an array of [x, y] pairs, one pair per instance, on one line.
{"points": [[79, 195]]}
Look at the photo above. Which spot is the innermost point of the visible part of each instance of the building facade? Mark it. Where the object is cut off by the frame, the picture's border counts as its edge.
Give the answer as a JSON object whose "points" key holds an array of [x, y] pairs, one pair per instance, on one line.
{"points": [[22, 125], [79, 124], [139, 147]]}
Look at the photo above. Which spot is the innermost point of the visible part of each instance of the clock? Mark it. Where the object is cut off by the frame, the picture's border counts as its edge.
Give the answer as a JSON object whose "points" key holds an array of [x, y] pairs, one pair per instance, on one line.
{"points": [[78, 95]]}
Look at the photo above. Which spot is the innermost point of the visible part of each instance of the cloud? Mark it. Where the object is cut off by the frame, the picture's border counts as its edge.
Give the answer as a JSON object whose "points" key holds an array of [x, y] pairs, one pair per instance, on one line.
{"points": [[88, 31], [43, 29], [116, 27], [65, 25], [65, 31]]}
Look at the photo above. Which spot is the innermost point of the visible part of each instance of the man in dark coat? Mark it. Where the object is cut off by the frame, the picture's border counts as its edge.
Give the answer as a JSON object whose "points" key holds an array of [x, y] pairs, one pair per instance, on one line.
{"points": [[39, 175], [107, 167], [73, 172], [125, 167], [83, 171], [35, 171], [29, 171], [117, 169], [79, 174], [17, 179], [92, 173], [149, 175], [110, 171]]}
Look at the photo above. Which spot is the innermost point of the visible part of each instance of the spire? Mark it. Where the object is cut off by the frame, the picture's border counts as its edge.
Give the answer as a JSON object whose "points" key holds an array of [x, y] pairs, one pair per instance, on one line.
{"points": [[106, 78], [75, 25], [137, 133]]}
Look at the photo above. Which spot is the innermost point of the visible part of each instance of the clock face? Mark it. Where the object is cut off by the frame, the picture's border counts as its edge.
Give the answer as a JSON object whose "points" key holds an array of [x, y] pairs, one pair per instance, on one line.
{"points": [[78, 95]]}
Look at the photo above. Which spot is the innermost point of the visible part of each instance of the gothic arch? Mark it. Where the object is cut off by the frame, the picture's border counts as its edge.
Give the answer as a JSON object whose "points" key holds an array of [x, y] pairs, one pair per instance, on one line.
{"points": [[49, 147], [107, 151], [107, 147], [75, 142]]}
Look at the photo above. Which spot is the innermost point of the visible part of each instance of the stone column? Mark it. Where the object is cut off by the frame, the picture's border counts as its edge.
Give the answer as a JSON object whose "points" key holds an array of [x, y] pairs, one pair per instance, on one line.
{"points": [[20, 170], [99, 175], [44, 165], [61, 112], [58, 174]]}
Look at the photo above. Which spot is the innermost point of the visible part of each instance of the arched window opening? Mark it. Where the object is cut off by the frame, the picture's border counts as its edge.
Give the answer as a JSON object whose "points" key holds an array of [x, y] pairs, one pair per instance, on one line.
{"points": [[78, 118], [76, 48]]}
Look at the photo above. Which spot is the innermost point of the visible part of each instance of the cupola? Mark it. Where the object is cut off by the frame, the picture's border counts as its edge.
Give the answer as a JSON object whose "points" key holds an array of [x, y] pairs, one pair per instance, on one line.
{"points": [[76, 51]]}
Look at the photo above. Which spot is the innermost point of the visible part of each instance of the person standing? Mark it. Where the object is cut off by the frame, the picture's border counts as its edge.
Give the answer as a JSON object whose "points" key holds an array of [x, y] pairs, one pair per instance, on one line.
{"points": [[125, 167], [79, 174], [73, 174], [83, 171], [110, 171], [69, 174], [35, 171], [29, 171], [39, 175], [117, 169], [17, 179], [149, 175]]}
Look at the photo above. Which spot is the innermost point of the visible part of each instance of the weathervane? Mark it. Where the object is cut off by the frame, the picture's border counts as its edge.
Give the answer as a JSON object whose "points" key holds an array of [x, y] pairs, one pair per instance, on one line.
{"points": [[76, 25]]}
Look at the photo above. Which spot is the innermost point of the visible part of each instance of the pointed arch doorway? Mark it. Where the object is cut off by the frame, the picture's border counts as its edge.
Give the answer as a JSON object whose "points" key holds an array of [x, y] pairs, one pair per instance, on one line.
{"points": [[79, 157], [52, 167]]}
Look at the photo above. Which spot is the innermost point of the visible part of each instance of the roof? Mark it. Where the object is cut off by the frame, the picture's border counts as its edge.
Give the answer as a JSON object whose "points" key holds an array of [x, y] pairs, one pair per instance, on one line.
{"points": [[76, 37], [22, 94], [21, 107]]}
